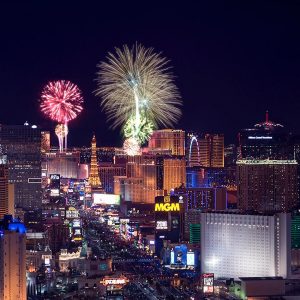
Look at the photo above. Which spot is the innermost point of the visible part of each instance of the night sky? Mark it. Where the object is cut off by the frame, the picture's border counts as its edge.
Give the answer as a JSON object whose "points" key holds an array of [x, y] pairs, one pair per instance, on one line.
{"points": [[232, 60]]}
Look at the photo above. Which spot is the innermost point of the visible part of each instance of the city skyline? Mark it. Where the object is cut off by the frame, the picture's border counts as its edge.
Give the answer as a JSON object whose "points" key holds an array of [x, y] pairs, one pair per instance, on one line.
{"points": [[150, 151], [223, 58]]}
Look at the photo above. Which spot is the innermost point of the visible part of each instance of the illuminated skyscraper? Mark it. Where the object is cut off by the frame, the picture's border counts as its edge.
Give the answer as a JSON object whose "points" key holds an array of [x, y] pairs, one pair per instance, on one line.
{"points": [[174, 173], [107, 171], [22, 145], [230, 155], [6, 193], [168, 139], [211, 149], [12, 260], [266, 140], [169, 215], [246, 245], [267, 169], [148, 176], [295, 231], [267, 185], [66, 164], [202, 198], [144, 178], [192, 221], [94, 179]]}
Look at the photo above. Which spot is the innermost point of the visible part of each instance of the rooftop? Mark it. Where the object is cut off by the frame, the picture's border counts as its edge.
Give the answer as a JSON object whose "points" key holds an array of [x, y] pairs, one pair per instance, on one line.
{"points": [[267, 124], [260, 278]]}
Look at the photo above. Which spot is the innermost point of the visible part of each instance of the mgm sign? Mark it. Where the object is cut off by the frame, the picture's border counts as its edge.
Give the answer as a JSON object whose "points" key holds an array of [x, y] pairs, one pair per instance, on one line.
{"points": [[167, 205]]}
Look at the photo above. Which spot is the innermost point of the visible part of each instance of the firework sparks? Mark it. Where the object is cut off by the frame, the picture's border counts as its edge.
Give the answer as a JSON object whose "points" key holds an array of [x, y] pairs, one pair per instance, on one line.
{"points": [[145, 128], [61, 101], [135, 84], [131, 147], [61, 130]]}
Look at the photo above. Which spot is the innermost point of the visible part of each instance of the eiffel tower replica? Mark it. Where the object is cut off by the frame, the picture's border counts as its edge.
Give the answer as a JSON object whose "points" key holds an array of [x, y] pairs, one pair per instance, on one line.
{"points": [[94, 179]]}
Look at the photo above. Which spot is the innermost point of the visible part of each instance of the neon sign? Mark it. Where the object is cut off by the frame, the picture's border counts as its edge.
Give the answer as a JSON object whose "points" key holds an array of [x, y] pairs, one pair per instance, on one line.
{"points": [[167, 207], [114, 281]]}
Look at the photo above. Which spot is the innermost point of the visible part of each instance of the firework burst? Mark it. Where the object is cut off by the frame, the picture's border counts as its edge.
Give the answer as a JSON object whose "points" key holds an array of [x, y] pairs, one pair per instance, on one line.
{"points": [[135, 85], [131, 147], [61, 101]]}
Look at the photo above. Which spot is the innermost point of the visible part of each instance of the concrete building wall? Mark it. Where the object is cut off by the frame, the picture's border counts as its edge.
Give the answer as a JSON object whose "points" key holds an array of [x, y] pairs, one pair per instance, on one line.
{"points": [[13, 266], [240, 245]]}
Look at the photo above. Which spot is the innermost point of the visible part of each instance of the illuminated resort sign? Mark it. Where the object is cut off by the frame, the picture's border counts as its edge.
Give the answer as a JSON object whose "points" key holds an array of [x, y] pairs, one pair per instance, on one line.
{"points": [[114, 281], [162, 225], [54, 176], [208, 283], [165, 204], [106, 199], [167, 207]]}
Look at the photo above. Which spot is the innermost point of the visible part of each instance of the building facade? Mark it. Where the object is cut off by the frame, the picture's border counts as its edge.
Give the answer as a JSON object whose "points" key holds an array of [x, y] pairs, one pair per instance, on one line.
{"points": [[192, 225], [204, 198], [12, 260], [6, 193], [107, 172], [266, 140], [211, 150], [244, 245], [267, 185], [66, 164], [174, 173], [168, 139], [22, 145], [148, 176]]}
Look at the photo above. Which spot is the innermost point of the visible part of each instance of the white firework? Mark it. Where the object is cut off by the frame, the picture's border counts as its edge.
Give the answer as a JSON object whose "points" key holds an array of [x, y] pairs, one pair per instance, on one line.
{"points": [[61, 131], [136, 82], [131, 147]]}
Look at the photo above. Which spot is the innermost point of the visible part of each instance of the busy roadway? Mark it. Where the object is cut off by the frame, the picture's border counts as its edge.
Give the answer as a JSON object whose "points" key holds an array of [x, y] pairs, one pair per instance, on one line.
{"points": [[148, 278]]}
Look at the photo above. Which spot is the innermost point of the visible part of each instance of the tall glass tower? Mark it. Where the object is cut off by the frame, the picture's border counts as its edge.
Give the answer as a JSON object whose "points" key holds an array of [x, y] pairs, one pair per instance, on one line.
{"points": [[22, 145]]}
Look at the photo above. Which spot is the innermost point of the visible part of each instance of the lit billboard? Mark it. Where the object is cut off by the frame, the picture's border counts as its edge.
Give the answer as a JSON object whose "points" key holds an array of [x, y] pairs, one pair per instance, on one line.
{"points": [[54, 177], [3, 159], [106, 199], [208, 283], [76, 223], [190, 258], [179, 255], [167, 207], [54, 192], [114, 281], [161, 225], [72, 212], [166, 204], [54, 185]]}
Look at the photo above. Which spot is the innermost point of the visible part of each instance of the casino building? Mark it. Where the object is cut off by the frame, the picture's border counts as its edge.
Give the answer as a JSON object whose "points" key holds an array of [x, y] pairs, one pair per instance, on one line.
{"points": [[246, 245], [169, 216], [266, 140], [12, 259]]}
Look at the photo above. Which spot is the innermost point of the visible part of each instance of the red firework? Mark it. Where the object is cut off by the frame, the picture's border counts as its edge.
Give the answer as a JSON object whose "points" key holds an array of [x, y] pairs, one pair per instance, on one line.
{"points": [[61, 101]]}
